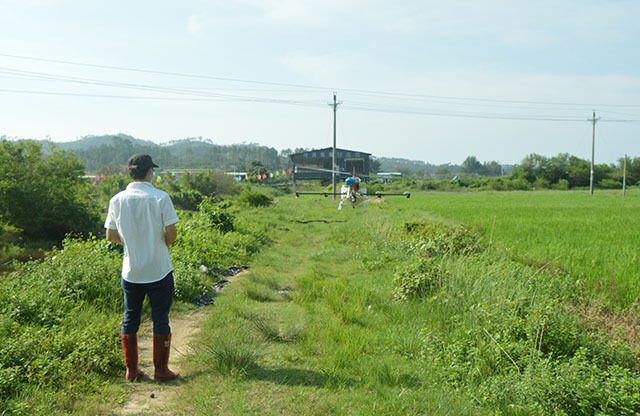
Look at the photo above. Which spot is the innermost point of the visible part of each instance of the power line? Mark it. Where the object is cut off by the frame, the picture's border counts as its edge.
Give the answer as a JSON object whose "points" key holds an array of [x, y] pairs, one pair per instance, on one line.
{"points": [[137, 97], [320, 88]]}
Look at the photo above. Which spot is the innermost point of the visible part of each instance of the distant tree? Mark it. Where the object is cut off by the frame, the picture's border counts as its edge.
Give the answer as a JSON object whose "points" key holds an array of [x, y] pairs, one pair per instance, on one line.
{"points": [[443, 173], [374, 165], [471, 166], [406, 170], [492, 168], [254, 168]]}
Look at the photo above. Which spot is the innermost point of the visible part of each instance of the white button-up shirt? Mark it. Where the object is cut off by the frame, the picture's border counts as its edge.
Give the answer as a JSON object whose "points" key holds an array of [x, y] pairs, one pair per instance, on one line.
{"points": [[140, 213]]}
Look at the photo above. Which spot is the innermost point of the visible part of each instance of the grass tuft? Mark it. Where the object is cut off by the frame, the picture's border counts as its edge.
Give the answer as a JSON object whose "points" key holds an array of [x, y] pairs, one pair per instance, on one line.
{"points": [[231, 356]]}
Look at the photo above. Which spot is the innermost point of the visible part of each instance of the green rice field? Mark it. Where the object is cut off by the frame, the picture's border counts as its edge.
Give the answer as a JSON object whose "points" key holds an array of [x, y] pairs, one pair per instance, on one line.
{"points": [[595, 237]]}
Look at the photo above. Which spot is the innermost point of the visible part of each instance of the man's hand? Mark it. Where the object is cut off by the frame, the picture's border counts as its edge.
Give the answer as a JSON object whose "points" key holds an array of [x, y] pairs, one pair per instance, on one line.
{"points": [[170, 234], [114, 237]]}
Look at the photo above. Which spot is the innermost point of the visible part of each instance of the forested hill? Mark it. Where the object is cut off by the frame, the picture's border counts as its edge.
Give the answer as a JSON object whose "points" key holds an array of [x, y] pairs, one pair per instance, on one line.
{"points": [[99, 152], [109, 152]]}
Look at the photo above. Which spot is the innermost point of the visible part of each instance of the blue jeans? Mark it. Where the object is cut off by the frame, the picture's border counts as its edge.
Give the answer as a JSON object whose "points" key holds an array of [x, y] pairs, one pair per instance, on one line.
{"points": [[160, 298]]}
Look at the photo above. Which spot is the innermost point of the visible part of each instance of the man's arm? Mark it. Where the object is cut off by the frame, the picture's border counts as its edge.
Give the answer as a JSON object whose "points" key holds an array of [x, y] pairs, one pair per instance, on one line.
{"points": [[114, 237], [170, 234]]}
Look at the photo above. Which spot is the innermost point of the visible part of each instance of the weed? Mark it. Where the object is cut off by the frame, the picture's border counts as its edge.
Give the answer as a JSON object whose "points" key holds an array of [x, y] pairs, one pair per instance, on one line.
{"points": [[231, 355], [260, 294]]}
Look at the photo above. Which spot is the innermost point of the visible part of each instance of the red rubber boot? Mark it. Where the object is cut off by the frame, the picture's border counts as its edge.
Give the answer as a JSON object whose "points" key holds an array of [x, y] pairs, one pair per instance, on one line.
{"points": [[130, 347], [161, 348]]}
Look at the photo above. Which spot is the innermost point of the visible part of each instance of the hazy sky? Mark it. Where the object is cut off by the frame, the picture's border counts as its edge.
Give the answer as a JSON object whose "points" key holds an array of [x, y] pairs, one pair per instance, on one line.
{"points": [[426, 80]]}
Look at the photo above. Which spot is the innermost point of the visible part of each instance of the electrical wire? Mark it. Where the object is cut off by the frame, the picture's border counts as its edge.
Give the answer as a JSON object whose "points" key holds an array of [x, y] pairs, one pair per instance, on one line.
{"points": [[322, 88], [208, 94]]}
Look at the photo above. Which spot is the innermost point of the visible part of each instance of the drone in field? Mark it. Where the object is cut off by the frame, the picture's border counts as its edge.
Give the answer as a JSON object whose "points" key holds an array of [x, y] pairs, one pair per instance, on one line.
{"points": [[353, 192]]}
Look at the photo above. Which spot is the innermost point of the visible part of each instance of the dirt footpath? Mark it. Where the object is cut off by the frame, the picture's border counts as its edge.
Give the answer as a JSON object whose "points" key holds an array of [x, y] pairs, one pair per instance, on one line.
{"points": [[149, 397]]}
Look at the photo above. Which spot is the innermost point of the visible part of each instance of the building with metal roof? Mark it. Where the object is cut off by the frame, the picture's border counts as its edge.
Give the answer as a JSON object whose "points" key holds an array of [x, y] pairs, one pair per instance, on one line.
{"points": [[316, 164]]}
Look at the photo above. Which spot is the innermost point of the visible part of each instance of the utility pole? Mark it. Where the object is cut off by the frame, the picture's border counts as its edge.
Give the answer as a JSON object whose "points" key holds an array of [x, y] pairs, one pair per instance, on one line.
{"points": [[333, 162], [593, 145], [624, 177]]}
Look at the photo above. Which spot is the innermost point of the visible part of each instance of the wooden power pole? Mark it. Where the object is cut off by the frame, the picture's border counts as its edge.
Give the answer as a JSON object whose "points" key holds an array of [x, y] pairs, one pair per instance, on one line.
{"points": [[333, 159], [593, 145], [624, 177]]}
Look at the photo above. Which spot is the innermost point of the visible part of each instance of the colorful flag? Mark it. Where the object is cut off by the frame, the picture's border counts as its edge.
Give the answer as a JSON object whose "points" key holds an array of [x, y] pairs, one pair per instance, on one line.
{"points": [[290, 170], [264, 176]]}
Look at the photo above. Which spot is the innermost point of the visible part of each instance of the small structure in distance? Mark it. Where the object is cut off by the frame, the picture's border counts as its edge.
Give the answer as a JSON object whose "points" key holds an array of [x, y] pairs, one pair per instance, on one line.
{"points": [[316, 164]]}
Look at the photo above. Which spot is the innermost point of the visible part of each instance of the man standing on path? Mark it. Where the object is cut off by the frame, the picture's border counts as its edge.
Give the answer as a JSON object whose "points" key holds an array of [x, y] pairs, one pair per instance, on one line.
{"points": [[142, 219]]}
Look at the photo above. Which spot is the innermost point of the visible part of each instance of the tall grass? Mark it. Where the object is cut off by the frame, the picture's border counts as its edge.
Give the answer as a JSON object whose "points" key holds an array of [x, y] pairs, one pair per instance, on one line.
{"points": [[490, 333], [593, 237]]}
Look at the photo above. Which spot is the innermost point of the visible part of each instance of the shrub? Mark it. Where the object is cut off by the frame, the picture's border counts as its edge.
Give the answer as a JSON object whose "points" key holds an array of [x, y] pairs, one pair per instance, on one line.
{"points": [[215, 216], [436, 239], [419, 278], [542, 183], [562, 185], [254, 198], [610, 184], [186, 199]]}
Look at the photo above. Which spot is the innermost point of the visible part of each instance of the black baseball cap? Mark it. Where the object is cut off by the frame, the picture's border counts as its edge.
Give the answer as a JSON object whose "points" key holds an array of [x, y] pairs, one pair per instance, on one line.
{"points": [[141, 161]]}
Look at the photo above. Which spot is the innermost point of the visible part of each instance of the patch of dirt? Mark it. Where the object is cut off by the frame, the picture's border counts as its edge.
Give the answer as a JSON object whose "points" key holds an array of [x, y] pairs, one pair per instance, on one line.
{"points": [[620, 325], [375, 200]]}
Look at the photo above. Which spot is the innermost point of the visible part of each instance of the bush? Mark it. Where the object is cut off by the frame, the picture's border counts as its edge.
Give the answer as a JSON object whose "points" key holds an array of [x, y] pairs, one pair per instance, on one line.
{"points": [[562, 185], [186, 199], [419, 278], [216, 216], [542, 183], [254, 198], [610, 184], [209, 183], [435, 239]]}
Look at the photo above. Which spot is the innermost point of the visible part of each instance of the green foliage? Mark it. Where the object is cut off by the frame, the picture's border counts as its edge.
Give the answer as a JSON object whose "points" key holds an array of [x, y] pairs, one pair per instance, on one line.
{"points": [[437, 239], [562, 185], [254, 198], [187, 199], [109, 186], [55, 317], [216, 216], [10, 237], [230, 355], [510, 337], [563, 167], [44, 195], [609, 183], [212, 237], [419, 278], [194, 153], [255, 168], [209, 183]]}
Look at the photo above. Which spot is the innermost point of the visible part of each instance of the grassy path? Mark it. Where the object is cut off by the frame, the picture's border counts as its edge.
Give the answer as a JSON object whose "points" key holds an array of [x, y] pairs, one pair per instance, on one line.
{"points": [[313, 329]]}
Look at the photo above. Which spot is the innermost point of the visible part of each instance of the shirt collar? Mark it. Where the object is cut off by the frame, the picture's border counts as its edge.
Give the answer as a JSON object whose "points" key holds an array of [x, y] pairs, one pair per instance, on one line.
{"points": [[139, 185]]}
